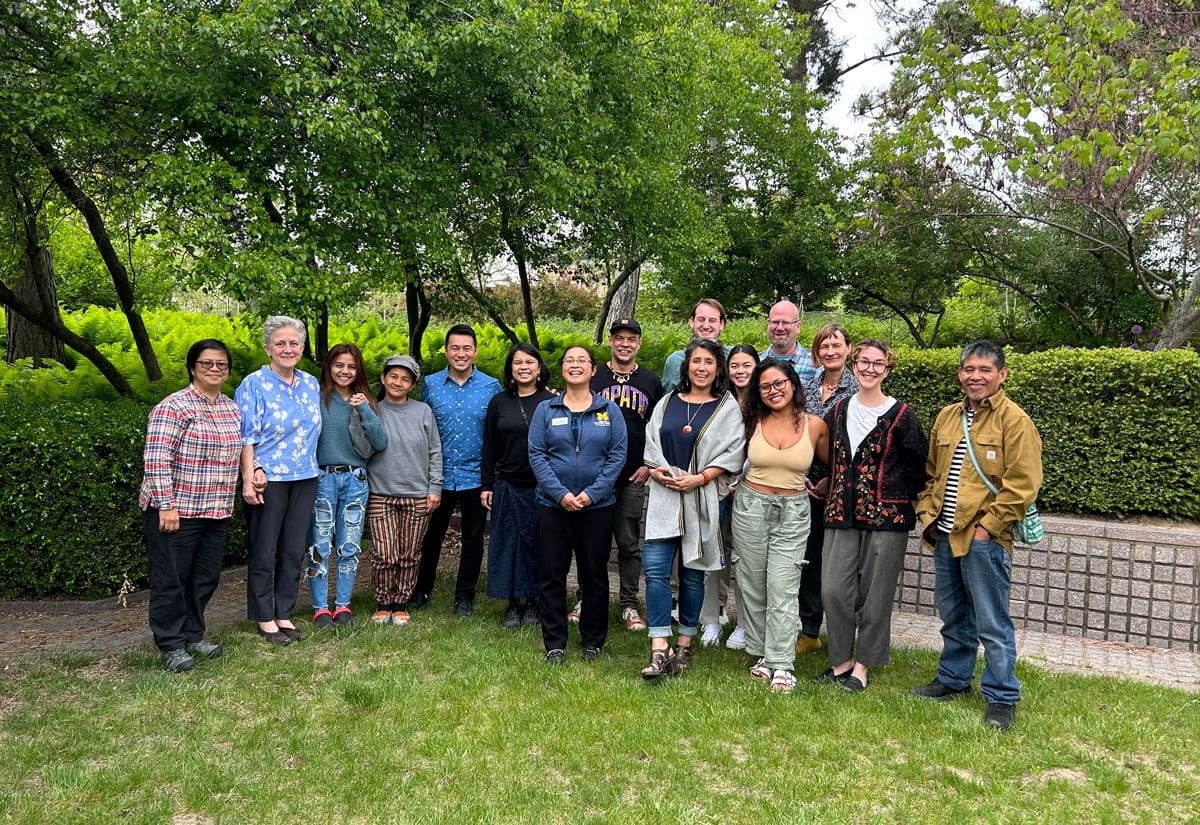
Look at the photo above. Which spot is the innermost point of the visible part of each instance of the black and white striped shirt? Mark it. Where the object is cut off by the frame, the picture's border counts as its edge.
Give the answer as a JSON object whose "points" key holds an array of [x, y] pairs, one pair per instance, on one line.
{"points": [[945, 519]]}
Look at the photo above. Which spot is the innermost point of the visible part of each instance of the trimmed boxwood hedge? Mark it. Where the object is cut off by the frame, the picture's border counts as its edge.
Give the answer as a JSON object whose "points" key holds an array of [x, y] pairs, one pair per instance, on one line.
{"points": [[1120, 428], [69, 517]]}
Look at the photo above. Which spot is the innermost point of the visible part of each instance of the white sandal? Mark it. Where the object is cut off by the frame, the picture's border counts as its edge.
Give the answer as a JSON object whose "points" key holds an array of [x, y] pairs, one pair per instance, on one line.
{"points": [[783, 681], [761, 671]]}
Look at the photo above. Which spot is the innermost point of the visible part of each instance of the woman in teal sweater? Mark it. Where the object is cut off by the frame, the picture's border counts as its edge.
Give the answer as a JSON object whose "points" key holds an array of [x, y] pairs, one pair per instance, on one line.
{"points": [[340, 509]]}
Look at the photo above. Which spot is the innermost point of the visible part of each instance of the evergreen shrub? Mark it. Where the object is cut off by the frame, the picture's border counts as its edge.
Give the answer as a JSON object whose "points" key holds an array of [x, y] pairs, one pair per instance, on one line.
{"points": [[71, 523]]}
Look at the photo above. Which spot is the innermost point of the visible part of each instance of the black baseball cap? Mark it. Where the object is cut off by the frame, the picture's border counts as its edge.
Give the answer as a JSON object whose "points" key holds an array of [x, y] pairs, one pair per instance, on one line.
{"points": [[626, 323]]}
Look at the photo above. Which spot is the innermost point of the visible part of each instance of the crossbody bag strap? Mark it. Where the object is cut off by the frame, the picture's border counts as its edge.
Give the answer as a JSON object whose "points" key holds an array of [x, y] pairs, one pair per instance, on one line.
{"points": [[971, 452]]}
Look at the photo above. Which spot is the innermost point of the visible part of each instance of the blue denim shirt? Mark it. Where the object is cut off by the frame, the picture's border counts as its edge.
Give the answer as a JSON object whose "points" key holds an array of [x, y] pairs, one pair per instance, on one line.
{"points": [[800, 358], [459, 411], [282, 422]]}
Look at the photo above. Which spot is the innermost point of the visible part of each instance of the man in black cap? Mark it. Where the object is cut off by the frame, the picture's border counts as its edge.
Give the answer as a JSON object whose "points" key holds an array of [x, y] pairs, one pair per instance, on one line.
{"points": [[635, 390]]}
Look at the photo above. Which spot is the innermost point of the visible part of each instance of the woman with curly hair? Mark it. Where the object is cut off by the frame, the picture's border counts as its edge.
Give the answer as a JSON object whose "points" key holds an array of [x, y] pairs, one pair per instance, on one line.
{"points": [[771, 518]]}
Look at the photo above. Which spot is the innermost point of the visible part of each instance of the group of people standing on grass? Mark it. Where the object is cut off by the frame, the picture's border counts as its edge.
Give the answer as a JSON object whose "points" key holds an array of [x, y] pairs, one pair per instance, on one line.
{"points": [[793, 468]]}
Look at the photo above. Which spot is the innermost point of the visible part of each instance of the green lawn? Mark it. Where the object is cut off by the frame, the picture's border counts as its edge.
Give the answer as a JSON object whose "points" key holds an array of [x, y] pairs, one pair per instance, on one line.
{"points": [[460, 721]]}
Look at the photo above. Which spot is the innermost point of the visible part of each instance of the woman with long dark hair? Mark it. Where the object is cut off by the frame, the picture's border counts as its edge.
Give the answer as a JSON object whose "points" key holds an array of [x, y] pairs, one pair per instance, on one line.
{"points": [[694, 444], [742, 360], [508, 485], [348, 416], [771, 518]]}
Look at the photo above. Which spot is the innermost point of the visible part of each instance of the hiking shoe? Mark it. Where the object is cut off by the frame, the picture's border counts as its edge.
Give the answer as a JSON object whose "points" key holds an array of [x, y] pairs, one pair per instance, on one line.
{"points": [[807, 644], [531, 617], [737, 639], [591, 654], [206, 650], [1000, 716], [939, 692], [178, 661], [633, 619], [512, 617], [555, 657], [343, 615], [710, 635], [323, 618], [400, 617], [573, 616], [464, 608]]}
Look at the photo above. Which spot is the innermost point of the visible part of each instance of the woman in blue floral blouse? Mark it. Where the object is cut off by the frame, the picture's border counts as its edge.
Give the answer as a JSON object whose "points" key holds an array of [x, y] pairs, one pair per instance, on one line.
{"points": [[877, 462]]}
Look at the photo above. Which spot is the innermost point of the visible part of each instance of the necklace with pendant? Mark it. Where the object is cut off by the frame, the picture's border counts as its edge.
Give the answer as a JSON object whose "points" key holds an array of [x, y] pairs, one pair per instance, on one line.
{"points": [[687, 428], [622, 377]]}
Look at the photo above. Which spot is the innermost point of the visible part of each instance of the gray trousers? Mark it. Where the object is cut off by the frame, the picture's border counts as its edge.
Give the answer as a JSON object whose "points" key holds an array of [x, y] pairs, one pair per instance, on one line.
{"points": [[859, 571], [628, 516], [769, 534]]}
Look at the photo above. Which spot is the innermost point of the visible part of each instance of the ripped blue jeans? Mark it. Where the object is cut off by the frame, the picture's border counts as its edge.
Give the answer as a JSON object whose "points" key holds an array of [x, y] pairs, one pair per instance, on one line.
{"points": [[339, 514]]}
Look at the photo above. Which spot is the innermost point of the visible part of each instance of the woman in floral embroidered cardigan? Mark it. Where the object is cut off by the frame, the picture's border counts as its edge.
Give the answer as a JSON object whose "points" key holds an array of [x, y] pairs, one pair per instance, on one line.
{"points": [[877, 460]]}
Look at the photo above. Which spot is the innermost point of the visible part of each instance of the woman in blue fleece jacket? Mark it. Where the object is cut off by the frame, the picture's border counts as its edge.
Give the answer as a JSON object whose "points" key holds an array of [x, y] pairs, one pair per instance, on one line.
{"points": [[576, 449]]}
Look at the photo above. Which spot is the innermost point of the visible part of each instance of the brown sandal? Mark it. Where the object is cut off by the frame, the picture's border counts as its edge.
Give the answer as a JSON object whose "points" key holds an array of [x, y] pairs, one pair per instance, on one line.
{"points": [[662, 663], [683, 657]]}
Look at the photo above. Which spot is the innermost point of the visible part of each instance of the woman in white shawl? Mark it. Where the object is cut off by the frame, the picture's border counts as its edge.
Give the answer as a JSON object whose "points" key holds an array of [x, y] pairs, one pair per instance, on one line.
{"points": [[695, 440]]}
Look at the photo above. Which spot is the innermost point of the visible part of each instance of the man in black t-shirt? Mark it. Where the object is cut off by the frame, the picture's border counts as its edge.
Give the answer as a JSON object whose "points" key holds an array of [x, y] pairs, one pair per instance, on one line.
{"points": [[635, 390]]}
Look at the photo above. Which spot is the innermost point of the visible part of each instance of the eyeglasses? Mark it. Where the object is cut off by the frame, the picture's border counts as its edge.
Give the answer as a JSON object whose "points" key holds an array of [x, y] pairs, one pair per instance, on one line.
{"points": [[219, 366], [863, 365], [782, 323], [570, 362], [773, 386]]}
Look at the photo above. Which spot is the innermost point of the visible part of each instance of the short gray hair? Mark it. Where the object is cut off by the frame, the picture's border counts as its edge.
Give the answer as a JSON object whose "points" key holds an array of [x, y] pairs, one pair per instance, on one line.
{"points": [[983, 349], [277, 322]]}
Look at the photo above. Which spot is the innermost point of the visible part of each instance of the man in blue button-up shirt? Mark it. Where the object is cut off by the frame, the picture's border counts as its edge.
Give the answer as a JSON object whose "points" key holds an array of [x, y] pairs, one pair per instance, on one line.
{"points": [[459, 396]]}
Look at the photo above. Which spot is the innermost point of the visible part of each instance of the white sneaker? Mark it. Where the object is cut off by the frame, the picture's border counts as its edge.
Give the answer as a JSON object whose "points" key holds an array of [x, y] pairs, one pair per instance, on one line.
{"points": [[711, 635], [737, 639], [573, 616]]}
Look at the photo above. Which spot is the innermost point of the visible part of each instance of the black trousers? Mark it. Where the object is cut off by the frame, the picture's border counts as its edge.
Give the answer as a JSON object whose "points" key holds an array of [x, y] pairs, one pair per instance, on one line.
{"points": [[185, 568], [278, 531], [474, 517], [587, 533], [812, 611]]}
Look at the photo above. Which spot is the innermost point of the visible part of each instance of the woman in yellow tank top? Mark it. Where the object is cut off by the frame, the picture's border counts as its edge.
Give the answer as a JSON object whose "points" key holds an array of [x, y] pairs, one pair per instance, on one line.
{"points": [[771, 518]]}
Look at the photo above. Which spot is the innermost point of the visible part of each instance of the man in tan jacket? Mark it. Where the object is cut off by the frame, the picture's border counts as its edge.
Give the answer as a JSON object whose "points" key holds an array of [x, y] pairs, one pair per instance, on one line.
{"points": [[970, 530]]}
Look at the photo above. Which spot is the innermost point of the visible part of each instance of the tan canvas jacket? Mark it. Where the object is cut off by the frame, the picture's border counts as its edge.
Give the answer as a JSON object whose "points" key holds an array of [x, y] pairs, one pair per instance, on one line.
{"points": [[1009, 450]]}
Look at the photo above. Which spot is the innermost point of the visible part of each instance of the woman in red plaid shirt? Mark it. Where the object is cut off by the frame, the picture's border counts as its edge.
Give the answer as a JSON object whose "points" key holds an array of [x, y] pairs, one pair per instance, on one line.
{"points": [[193, 444]]}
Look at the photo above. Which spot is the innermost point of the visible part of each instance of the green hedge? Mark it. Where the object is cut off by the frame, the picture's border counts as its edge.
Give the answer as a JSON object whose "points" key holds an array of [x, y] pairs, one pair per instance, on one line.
{"points": [[1120, 429], [71, 523]]}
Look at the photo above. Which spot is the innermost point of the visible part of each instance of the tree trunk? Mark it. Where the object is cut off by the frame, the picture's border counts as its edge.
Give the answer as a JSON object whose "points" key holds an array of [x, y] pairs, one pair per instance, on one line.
{"points": [[112, 261], [620, 300], [76, 342], [516, 245], [33, 285], [322, 334], [419, 312]]}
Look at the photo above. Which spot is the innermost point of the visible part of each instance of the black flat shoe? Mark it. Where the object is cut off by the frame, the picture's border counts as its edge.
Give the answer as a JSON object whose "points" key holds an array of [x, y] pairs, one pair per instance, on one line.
{"points": [[293, 633], [274, 637], [827, 677], [853, 685]]}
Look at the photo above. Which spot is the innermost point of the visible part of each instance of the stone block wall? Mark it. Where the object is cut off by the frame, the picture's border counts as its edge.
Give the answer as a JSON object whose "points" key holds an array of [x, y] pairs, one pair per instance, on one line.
{"points": [[1094, 579]]}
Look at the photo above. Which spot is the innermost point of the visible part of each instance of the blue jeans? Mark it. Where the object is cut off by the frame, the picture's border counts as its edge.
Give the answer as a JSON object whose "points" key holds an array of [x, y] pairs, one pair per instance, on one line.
{"points": [[338, 517], [972, 599], [657, 557]]}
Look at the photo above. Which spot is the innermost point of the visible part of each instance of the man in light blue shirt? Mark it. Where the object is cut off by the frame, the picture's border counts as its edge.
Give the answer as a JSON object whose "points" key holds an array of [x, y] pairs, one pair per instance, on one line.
{"points": [[459, 396], [783, 325], [707, 321]]}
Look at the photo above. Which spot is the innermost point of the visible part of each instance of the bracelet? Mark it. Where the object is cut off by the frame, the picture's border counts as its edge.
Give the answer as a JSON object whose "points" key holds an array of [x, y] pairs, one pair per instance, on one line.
{"points": [[704, 475]]}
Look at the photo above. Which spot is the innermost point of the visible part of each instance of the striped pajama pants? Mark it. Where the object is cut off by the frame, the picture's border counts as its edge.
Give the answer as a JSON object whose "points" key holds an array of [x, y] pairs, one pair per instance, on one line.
{"points": [[398, 527]]}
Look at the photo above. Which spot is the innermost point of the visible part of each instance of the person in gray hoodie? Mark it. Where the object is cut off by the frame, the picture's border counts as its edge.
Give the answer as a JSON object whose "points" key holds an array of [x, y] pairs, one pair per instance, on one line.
{"points": [[405, 481]]}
